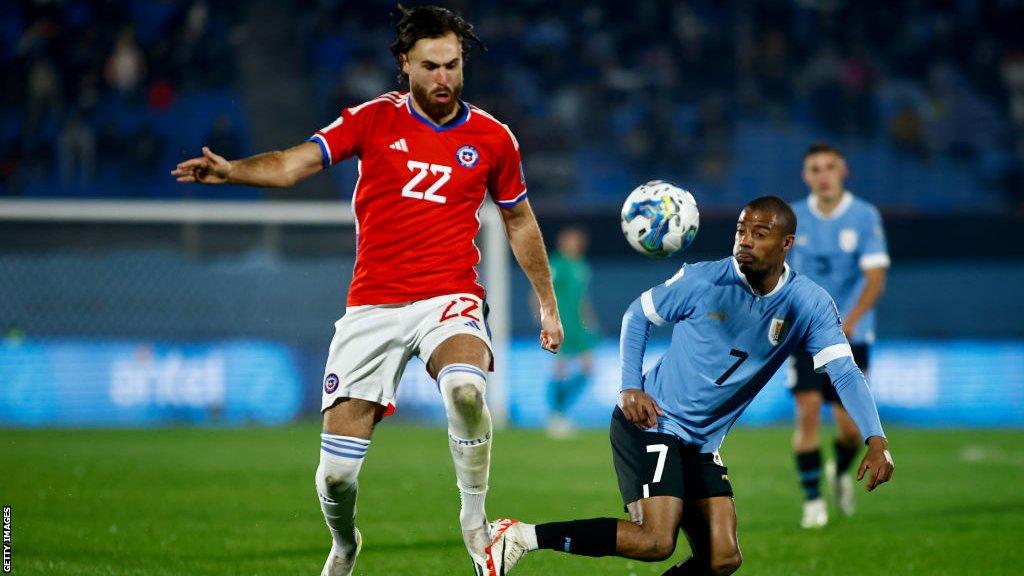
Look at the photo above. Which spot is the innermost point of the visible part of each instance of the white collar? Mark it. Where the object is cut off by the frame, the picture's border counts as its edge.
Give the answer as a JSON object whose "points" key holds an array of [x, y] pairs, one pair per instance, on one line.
{"points": [[844, 204], [778, 285]]}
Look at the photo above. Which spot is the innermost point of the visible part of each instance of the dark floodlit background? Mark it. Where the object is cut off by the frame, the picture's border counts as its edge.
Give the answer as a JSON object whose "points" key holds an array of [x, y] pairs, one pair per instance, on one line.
{"points": [[162, 345], [139, 323]]}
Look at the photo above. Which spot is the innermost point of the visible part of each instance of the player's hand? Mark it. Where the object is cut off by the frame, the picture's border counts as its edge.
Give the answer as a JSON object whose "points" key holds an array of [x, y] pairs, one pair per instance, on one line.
{"points": [[551, 334], [640, 408], [206, 169], [878, 460]]}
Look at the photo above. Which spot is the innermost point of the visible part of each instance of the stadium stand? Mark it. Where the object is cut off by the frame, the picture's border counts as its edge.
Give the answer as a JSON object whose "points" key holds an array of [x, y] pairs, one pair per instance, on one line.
{"points": [[929, 97]]}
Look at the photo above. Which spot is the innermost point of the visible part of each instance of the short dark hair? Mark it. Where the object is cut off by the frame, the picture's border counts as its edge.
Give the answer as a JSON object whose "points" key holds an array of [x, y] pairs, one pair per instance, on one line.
{"points": [[820, 147], [784, 215], [421, 22]]}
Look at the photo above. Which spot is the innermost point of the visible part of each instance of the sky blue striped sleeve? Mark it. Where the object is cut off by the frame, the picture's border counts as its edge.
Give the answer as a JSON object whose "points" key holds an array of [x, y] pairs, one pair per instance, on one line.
{"points": [[853, 390], [874, 252], [671, 301], [636, 329], [825, 338]]}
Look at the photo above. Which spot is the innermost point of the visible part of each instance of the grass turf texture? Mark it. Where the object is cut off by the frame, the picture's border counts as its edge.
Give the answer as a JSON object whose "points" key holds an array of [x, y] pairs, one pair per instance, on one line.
{"points": [[241, 501]]}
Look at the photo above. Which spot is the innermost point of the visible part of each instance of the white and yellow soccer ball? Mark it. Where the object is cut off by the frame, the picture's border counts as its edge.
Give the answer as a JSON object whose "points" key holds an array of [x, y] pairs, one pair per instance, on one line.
{"points": [[660, 219]]}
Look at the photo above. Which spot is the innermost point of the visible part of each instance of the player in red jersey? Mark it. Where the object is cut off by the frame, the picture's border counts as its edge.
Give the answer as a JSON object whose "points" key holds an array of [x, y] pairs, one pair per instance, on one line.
{"points": [[427, 160]]}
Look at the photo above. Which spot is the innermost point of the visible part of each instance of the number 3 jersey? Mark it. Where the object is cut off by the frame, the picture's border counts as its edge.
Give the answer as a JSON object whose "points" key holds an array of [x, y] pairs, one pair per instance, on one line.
{"points": [[835, 250], [727, 343], [418, 195]]}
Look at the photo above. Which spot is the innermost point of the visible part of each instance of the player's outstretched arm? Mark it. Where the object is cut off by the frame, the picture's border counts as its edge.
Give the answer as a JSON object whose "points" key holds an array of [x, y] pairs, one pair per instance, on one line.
{"points": [[878, 461], [853, 390], [528, 247], [278, 169]]}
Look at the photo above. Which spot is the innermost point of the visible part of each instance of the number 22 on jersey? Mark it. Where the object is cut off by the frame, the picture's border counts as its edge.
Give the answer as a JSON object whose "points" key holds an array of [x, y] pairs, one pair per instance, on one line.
{"points": [[420, 172]]}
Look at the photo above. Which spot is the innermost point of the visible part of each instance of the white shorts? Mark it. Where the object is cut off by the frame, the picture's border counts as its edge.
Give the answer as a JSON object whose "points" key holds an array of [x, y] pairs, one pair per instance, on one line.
{"points": [[373, 343]]}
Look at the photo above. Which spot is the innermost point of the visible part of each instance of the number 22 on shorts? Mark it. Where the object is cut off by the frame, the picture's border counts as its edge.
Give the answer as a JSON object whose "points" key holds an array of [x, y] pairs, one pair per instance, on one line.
{"points": [[463, 306]]}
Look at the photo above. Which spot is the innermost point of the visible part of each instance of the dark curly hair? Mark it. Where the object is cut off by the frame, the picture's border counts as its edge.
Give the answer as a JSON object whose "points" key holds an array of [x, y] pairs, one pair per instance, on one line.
{"points": [[428, 22]]}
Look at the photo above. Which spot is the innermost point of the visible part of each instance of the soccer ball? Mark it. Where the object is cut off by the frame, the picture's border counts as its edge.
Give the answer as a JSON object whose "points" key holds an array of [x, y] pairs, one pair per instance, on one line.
{"points": [[660, 219]]}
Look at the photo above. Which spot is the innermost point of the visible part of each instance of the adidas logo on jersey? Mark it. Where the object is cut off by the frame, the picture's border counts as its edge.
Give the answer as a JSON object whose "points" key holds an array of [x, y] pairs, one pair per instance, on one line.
{"points": [[399, 145]]}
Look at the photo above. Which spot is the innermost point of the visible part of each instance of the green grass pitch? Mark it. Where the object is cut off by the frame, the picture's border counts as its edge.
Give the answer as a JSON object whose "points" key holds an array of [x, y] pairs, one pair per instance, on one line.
{"points": [[241, 501]]}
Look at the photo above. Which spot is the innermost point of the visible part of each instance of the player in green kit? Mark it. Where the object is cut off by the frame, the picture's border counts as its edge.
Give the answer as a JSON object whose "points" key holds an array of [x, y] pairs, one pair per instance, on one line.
{"points": [[570, 275]]}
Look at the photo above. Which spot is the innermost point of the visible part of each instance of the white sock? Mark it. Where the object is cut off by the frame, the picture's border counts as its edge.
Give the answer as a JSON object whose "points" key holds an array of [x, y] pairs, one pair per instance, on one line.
{"points": [[469, 438], [471, 472], [337, 484]]}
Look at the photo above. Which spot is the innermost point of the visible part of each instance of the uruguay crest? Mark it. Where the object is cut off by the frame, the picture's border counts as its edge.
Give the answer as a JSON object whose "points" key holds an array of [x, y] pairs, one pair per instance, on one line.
{"points": [[777, 330], [848, 239], [468, 156]]}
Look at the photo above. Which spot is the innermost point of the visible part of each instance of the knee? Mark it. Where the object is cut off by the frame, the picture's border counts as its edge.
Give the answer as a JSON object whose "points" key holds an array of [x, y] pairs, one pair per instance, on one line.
{"points": [[336, 476], [725, 564], [467, 398], [658, 547], [808, 418], [463, 392], [334, 480]]}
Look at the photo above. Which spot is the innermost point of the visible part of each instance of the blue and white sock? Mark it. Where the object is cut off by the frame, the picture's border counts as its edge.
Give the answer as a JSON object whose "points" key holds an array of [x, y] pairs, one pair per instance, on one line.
{"points": [[337, 485]]}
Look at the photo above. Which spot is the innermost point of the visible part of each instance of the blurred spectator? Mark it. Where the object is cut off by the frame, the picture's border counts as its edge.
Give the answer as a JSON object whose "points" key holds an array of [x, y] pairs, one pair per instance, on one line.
{"points": [[715, 135], [161, 95], [1013, 77], [42, 94], [126, 66], [76, 152], [907, 131], [821, 82], [670, 92]]}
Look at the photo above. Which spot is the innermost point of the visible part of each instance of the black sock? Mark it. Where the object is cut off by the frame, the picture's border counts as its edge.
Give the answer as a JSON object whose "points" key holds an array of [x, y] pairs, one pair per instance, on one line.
{"points": [[844, 457], [557, 395], [692, 567], [808, 465], [593, 537]]}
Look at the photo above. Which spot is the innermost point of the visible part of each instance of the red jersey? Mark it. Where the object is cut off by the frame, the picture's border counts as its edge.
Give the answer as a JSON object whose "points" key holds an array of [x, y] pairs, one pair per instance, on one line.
{"points": [[419, 192]]}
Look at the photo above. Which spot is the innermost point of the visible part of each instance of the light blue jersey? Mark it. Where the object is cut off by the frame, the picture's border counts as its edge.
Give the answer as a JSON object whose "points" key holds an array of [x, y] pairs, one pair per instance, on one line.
{"points": [[727, 343], [834, 251]]}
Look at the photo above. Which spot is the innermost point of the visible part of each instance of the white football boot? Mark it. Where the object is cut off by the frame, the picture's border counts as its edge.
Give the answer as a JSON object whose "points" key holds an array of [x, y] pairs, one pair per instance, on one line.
{"points": [[339, 565], [815, 514], [842, 488], [560, 428], [507, 547], [480, 566], [478, 539]]}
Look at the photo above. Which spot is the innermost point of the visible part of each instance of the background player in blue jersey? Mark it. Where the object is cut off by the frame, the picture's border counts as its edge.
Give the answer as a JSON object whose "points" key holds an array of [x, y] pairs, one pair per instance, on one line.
{"points": [[736, 321], [840, 245]]}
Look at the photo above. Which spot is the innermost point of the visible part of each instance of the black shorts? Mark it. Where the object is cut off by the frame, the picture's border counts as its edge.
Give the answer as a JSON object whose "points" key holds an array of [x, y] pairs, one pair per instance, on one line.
{"points": [[656, 464], [803, 377]]}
